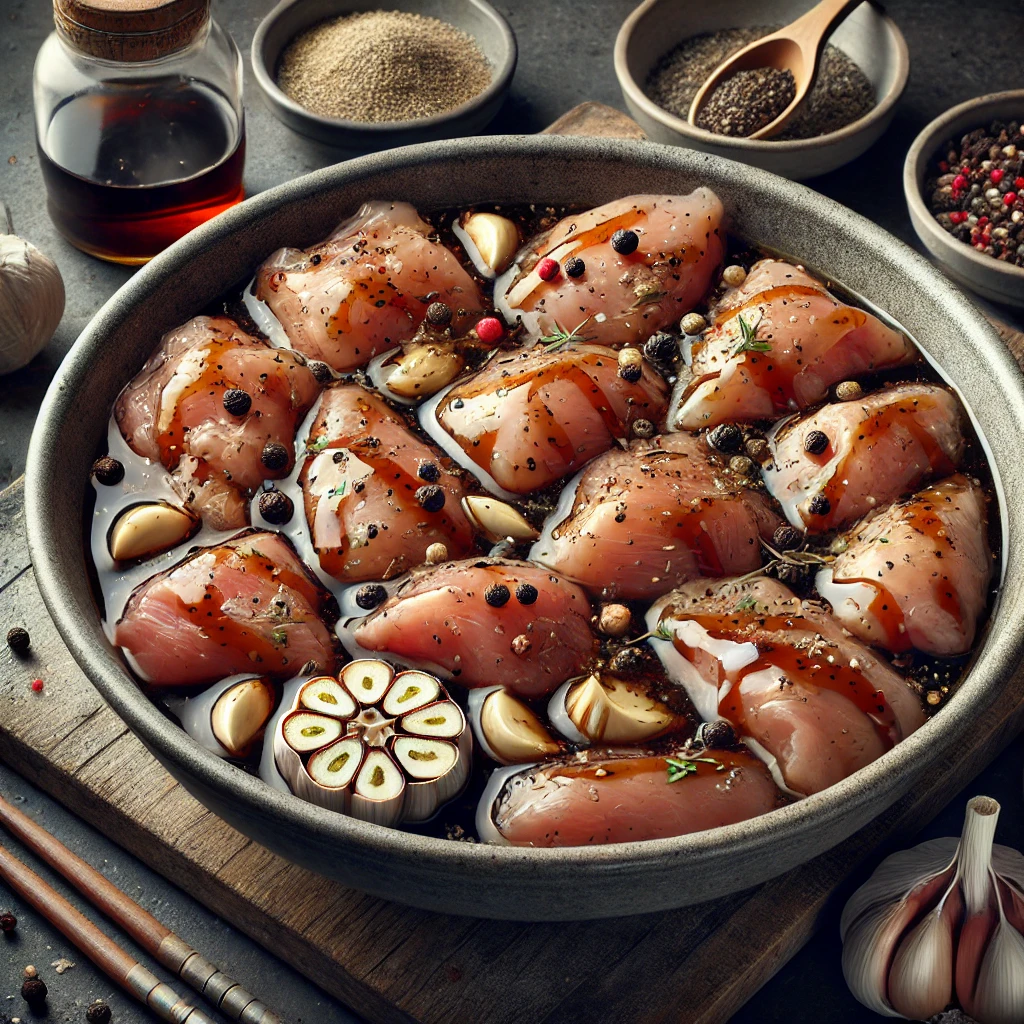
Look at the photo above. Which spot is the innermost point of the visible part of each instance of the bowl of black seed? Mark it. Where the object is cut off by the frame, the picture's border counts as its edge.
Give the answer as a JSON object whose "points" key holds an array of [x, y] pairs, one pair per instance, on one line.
{"points": [[964, 183], [363, 77], [666, 51]]}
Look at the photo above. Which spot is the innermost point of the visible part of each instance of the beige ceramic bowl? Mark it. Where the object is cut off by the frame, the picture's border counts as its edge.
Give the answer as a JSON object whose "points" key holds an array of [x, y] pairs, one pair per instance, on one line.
{"points": [[1000, 282], [870, 38]]}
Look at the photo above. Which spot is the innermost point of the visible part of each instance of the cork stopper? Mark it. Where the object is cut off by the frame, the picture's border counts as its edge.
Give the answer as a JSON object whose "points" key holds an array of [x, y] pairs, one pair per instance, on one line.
{"points": [[130, 30]]}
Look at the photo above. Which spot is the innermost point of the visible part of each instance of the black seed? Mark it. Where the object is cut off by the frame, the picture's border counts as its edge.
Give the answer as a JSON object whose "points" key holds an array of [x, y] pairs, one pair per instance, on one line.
{"points": [[321, 371], [429, 472], [815, 442], [370, 595], [18, 639], [787, 538], [526, 593], [574, 266], [820, 505], [108, 471], [33, 991], [717, 734], [98, 1013], [661, 347], [274, 456], [431, 497], [315, 259], [631, 372], [496, 595], [726, 437], [439, 314], [643, 428], [372, 531], [338, 457], [276, 507], [237, 402], [625, 242]]}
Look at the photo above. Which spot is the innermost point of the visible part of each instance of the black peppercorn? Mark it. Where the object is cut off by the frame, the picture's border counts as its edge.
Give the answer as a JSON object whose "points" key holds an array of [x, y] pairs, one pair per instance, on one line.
{"points": [[321, 371], [820, 505], [315, 259], [429, 472], [18, 639], [33, 991], [370, 595], [574, 266], [716, 734], [496, 595], [439, 314], [627, 661], [8, 922], [815, 442], [276, 507], [643, 428], [338, 457], [431, 497], [787, 538], [237, 402], [274, 456], [726, 437], [661, 347], [108, 471], [526, 593], [98, 1013], [625, 242], [631, 372]]}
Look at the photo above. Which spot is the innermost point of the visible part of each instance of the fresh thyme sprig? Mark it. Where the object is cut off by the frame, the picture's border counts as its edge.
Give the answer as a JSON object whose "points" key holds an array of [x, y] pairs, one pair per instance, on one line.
{"points": [[748, 341], [680, 768], [560, 336]]}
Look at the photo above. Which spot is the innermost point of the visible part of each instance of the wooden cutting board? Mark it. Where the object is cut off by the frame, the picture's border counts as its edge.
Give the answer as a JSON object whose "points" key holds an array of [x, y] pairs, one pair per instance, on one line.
{"points": [[390, 963]]}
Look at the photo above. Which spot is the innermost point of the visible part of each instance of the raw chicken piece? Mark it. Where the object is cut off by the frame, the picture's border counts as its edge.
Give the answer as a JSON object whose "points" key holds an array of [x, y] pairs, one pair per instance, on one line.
{"points": [[530, 417], [173, 412], [777, 343], [627, 297], [916, 574], [366, 287], [604, 796], [360, 489], [815, 703], [637, 523], [880, 447], [248, 605], [448, 620]]}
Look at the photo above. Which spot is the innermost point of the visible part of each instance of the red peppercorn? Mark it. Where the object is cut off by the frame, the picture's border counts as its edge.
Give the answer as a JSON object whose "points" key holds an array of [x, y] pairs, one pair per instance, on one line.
{"points": [[996, 174], [37, 685], [959, 182], [982, 221], [489, 330], [548, 269], [1018, 182], [1010, 198]]}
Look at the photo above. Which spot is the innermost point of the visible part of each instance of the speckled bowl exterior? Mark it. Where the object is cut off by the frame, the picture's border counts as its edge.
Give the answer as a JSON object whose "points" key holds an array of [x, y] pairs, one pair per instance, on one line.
{"points": [[868, 36], [476, 18], [507, 882], [1000, 282]]}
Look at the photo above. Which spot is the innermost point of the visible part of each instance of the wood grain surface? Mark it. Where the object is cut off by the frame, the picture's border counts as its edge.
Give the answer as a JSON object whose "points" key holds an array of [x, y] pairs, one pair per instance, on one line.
{"points": [[391, 963]]}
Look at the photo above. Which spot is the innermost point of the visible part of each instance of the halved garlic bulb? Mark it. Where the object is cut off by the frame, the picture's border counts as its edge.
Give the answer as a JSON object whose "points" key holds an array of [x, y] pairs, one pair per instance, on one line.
{"points": [[604, 709], [497, 520], [938, 921], [145, 530], [508, 731], [491, 241]]}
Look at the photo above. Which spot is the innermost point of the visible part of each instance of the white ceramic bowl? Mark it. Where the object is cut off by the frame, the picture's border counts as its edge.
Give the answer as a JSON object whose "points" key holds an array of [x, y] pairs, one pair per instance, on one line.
{"points": [[868, 37], [1000, 282]]}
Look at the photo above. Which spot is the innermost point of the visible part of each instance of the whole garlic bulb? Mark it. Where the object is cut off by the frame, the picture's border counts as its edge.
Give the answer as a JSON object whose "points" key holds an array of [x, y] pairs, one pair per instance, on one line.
{"points": [[31, 299], [938, 922]]}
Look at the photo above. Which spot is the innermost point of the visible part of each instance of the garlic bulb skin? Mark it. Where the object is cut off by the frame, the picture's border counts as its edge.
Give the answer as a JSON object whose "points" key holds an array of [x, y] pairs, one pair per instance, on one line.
{"points": [[31, 300]]}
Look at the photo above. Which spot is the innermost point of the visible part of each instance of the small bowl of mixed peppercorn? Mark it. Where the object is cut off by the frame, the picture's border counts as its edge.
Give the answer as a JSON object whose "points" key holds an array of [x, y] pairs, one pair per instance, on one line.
{"points": [[964, 183], [666, 50]]}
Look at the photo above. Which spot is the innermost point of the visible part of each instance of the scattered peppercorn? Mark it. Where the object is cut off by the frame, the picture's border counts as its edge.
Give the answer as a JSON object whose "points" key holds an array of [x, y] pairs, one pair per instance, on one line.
{"points": [[787, 538], [734, 276], [439, 314], [30, 971], [741, 465], [431, 497], [33, 991], [237, 402], [631, 365], [614, 620], [627, 661], [18, 639], [717, 734], [693, 323], [726, 437], [428, 471], [849, 391], [370, 595], [643, 429], [661, 347], [489, 330], [274, 456], [758, 449], [8, 922], [98, 1013], [820, 505], [37, 686], [321, 371], [436, 553], [497, 595], [815, 442], [276, 507], [574, 266], [547, 269], [108, 471], [526, 593], [625, 242]]}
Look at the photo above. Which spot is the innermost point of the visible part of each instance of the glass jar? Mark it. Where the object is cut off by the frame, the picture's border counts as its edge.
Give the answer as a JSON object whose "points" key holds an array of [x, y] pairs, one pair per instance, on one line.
{"points": [[139, 123]]}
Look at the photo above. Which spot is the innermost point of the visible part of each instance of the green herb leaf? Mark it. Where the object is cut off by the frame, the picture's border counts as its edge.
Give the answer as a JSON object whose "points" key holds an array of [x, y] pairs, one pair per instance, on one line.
{"points": [[561, 337], [680, 768], [280, 637], [883, 540], [748, 341], [319, 446], [746, 604]]}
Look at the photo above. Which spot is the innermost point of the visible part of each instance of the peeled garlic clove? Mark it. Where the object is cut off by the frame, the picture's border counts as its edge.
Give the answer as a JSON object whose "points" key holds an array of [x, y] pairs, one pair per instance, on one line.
{"points": [[379, 789], [604, 709], [367, 679], [999, 994], [335, 766], [326, 695], [409, 691], [240, 714], [921, 975], [443, 720], [508, 731], [304, 731], [491, 241], [496, 519], [146, 530], [421, 371]]}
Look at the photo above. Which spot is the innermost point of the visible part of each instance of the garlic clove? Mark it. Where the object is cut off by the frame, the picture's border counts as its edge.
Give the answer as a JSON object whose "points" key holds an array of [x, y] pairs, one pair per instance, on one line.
{"points": [[507, 730], [424, 758], [326, 695], [145, 530], [334, 766], [240, 713], [609, 710], [491, 241], [378, 791], [304, 731], [443, 720], [367, 679], [975, 933], [921, 975], [421, 371], [409, 691], [497, 520], [999, 994]]}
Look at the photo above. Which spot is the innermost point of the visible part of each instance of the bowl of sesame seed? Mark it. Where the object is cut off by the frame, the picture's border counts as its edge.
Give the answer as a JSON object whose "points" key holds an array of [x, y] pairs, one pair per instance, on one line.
{"points": [[363, 78]]}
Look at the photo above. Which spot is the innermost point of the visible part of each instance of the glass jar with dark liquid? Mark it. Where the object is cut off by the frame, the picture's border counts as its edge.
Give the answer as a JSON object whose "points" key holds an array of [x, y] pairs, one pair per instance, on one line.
{"points": [[139, 123]]}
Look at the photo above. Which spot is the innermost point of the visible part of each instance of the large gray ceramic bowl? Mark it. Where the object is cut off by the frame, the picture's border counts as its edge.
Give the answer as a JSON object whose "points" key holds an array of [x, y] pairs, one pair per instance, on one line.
{"points": [[506, 882]]}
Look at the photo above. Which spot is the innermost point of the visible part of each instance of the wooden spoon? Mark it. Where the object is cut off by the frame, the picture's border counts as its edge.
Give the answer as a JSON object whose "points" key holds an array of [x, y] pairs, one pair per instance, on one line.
{"points": [[796, 48]]}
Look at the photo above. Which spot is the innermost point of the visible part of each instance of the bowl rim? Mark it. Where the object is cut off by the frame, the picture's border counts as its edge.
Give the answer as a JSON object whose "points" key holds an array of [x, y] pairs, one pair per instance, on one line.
{"points": [[265, 79], [996, 659], [920, 153], [635, 94]]}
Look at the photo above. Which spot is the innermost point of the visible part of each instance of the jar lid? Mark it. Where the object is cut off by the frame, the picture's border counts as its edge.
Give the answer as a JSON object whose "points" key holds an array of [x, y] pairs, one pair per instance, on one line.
{"points": [[130, 30]]}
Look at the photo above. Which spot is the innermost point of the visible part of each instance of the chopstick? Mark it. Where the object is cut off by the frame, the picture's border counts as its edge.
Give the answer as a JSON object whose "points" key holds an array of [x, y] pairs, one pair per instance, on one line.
{"points": [[168, 949]]}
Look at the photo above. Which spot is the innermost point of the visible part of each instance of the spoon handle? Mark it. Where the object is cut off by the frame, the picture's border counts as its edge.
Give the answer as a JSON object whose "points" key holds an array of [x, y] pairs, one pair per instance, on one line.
{"points": [[811, 30]]}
